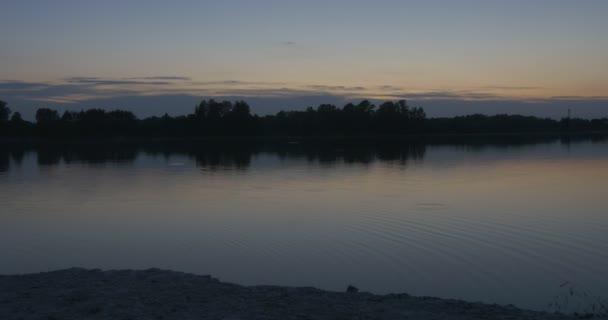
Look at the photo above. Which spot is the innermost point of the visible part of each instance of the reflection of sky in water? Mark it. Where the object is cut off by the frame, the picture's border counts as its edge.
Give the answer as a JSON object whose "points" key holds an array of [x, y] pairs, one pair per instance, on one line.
{"points": [[505, 225]]}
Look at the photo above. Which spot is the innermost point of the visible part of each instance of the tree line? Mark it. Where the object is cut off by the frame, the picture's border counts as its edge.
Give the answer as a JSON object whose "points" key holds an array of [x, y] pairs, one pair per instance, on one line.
{"points": [[226, 118]]}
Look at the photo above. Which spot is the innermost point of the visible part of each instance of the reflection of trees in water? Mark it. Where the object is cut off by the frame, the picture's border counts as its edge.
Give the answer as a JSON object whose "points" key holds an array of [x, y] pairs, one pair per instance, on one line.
{"points": [[571, 139], [91, 154], [212, 156], [49, 155], [220, 155], [216, 156], [5, 160], [18, 156], [101, 155], [403, 154], [239, 156], [479, 143], [352, 153], [238, 159], [7, 154]]}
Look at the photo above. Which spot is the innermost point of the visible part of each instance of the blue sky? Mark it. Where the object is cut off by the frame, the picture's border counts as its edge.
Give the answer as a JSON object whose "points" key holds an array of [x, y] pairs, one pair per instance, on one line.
{"points": [[451, 57]]}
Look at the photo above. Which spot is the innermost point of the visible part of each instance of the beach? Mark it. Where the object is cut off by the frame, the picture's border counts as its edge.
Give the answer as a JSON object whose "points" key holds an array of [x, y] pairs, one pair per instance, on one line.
{"points": [[159, 294]]}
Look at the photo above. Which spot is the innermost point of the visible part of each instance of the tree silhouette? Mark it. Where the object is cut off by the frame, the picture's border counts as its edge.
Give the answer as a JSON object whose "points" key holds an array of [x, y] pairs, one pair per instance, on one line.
{"points": [[4, 111], [46, 116], [16, 118], [241, 110], [226, 118]]}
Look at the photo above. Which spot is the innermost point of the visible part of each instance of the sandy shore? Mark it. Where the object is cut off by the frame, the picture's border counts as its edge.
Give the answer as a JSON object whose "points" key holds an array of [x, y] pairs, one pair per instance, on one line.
{"points": [[159, 294]]}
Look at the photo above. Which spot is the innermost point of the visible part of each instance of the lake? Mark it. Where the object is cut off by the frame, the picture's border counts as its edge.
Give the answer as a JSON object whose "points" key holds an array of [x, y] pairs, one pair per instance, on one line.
{"points": [[509, 222]]}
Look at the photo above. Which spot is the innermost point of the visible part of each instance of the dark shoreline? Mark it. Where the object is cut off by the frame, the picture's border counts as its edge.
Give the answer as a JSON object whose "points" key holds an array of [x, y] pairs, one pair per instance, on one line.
{"points": [[159, 294], [420, 138]]}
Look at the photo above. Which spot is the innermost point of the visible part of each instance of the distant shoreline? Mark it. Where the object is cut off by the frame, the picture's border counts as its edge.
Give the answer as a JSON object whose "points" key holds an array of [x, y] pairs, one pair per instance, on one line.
{"points": [[213, 119], [158, 294], [413, 137]]}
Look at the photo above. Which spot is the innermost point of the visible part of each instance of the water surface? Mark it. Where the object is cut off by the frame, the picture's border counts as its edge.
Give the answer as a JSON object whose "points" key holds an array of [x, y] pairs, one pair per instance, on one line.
{"points": [[504, 223]]}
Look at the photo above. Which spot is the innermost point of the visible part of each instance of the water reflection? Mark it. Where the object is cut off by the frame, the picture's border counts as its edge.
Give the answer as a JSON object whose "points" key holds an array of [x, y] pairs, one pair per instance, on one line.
{"points": [[213, 156], [230, 154], [5, 159]]}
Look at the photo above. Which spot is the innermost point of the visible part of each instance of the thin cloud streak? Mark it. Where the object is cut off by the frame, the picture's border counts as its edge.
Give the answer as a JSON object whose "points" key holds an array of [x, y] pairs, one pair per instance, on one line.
{"points": [[162, 78], [518, 88], [12, 85], [580, 97], [98, 81], [335, 88]]}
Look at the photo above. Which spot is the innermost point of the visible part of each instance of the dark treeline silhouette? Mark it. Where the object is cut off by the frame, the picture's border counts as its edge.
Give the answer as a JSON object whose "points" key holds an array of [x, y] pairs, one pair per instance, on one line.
{"points": [[224, 118]]}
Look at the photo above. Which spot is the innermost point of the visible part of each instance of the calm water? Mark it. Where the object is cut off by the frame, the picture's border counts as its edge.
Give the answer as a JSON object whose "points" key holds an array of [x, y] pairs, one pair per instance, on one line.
{"points": [[505, 223]]}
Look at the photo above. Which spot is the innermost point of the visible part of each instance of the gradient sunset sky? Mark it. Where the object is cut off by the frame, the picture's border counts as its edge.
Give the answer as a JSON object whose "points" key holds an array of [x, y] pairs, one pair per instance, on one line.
{"points": [[451, 57]]}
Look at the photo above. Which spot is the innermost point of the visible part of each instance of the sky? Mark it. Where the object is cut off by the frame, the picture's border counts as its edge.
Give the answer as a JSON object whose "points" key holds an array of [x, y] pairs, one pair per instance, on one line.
{"points": [[537, 57]]}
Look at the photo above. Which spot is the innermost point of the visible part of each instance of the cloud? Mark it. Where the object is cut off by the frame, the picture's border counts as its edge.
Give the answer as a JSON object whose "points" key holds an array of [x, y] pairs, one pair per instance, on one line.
{"points": [[389, 88], [335, 88], [12, 85], [236, 83], [67, 98], [579, 98], [518, 88], [99, 81], [288, 43], [162, 78], [58, 92], [439, 95], [231, 82]]}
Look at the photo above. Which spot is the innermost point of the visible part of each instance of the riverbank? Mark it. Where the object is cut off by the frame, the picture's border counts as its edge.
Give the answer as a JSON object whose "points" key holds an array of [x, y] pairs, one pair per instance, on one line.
{"points": [[445, 137], [159, 294]]}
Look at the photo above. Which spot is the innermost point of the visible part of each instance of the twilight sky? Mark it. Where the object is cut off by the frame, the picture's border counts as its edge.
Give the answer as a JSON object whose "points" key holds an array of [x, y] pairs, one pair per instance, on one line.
{"points": [[451, 57]]}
